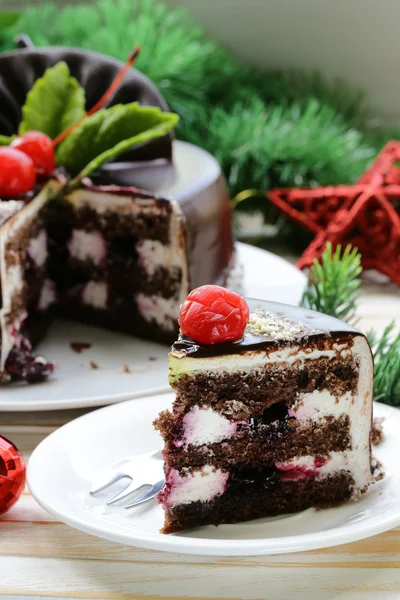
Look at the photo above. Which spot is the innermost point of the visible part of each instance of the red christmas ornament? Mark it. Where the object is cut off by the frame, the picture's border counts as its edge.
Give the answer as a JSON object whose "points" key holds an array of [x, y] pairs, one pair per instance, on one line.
{"points": [[12, 474], [365, 215]]}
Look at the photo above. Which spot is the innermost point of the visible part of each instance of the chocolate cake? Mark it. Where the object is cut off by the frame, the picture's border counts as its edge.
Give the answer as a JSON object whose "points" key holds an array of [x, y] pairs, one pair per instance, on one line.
{"points": [[275, 422], [107, 253]]}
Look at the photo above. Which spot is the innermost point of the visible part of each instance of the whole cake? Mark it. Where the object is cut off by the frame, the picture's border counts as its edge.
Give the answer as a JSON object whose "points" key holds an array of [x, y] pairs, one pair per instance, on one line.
{"points": [[102, 251], [272, 414]]}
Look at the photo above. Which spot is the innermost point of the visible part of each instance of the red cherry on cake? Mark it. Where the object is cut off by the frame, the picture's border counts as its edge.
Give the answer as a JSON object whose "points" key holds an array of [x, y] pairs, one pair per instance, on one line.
{"points": [[39, 147], [17, 172], [212, 315]]}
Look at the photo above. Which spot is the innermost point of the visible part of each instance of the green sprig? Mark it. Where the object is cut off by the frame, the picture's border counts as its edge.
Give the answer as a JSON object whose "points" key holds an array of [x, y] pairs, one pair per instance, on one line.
{"points": [[273, 129], [386, 351], [333, 284], [333, 288]]}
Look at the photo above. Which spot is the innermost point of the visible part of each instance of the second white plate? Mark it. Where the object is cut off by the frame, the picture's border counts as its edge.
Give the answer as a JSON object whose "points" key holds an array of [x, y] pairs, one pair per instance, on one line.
{"points": [[63, 467], [128, 367]]}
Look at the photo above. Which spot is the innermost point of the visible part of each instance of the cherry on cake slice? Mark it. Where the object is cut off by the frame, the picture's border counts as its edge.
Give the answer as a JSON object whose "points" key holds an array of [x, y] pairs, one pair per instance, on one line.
{"points": [[272, 413]]}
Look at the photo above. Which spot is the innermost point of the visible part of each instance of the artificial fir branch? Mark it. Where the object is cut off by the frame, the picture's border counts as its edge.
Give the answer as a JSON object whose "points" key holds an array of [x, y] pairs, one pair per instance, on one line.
{"points": [[267, 129], [333, 288], [333, 284], [386, 351]]}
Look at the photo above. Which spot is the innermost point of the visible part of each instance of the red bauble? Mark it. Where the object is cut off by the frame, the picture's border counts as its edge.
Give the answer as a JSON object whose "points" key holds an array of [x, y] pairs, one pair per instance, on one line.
{"points": [[12, 474], [365, 215], [39, 147], [212, 315], [17, 172]]}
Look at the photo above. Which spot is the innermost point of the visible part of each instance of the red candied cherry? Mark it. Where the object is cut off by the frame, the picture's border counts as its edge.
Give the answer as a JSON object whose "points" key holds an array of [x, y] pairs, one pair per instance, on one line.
{"points": [[39, 147], [17, 172], [212, 315]]}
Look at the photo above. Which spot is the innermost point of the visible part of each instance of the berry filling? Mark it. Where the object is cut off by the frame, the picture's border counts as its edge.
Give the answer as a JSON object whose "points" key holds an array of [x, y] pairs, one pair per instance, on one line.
{"points": [[278, 412], [21, 364]]}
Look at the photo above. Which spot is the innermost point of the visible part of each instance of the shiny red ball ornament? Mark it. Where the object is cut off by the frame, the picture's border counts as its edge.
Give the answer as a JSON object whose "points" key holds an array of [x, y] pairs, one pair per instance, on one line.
{"points": [[212, 315], [17, 173], [39, 147], [12, 474]]}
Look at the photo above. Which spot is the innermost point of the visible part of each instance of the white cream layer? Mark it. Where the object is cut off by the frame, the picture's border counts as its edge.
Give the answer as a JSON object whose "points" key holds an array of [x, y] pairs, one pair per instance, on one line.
{"points": [[247, 361], [164, 311], [95, 293], [37, 249], [21, 219], [204, 427], [153, 254], [47, 295], [85, 245], [191, 486]]}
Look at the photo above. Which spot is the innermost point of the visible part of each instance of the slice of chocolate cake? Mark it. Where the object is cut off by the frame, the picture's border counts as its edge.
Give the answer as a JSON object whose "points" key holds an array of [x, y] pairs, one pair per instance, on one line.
{"points": [[274, 421]]}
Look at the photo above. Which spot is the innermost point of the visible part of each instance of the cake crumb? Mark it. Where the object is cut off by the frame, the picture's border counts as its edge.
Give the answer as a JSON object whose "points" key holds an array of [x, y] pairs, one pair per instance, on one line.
{"points": [[126, 369], [377, 434], [94, 365], [152, 358], [79, 346]]}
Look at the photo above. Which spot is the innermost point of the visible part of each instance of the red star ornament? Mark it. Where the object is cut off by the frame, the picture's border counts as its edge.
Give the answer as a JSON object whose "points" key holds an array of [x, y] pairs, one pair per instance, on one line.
{"points": [[365, 215]]}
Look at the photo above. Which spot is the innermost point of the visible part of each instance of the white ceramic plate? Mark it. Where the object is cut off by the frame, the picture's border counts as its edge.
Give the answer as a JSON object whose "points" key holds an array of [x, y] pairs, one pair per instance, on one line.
{"points": [[77, 385], [64, 465]]}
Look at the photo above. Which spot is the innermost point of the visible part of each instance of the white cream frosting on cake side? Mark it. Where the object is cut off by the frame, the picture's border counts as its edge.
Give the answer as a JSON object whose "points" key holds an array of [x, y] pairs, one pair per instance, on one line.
{"points": [[203, 425], [11, 271]]}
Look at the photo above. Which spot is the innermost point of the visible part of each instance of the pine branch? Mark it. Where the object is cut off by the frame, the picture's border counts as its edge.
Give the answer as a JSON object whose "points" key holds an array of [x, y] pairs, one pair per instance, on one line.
{"points": [[386, 351], [333, 284]]}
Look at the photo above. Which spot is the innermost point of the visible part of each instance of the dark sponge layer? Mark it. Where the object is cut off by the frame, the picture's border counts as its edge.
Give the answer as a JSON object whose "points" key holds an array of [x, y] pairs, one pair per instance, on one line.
{"points": [[243, 503], [258, 389], [265, 445]]}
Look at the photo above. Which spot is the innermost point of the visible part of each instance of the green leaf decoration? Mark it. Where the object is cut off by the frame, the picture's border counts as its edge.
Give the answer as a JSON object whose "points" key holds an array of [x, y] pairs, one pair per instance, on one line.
{"points": [[333, 284], [5, 140], [386, 351], [108, 133], [55, 102], [8, 18]]}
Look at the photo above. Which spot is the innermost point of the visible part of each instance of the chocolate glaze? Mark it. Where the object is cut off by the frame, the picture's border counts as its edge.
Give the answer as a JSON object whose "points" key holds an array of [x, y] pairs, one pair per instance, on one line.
{"points": [[319, 327], [206, 211], [19, 70]]}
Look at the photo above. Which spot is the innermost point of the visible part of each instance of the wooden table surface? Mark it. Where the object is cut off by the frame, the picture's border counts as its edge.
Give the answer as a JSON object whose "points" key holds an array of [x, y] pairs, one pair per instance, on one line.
{"points": [[43, 558]]}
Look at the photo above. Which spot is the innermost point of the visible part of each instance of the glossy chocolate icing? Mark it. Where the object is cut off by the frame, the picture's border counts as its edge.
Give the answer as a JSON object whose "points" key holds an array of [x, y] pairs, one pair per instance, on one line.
{"points": [[318, 327], [95, 72], [206, 209]]}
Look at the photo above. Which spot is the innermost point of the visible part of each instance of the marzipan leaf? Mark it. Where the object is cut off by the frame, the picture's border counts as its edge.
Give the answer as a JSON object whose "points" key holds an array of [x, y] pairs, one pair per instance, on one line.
{"points": [[55, 102], [5, 140], [108, 133]]}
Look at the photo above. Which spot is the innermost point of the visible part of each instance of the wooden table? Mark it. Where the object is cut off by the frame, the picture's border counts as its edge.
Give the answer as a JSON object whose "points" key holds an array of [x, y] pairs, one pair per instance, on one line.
{"points": [[41, 557]]}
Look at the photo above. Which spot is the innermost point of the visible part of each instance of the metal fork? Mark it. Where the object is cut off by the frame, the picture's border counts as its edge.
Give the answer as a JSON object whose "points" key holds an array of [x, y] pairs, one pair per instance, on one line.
{"points": [[139, 469]]}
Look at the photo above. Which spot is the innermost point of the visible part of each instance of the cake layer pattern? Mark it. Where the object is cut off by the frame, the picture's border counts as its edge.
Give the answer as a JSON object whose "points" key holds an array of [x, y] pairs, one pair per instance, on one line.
{"points": [[110, 256], [284, 411]]}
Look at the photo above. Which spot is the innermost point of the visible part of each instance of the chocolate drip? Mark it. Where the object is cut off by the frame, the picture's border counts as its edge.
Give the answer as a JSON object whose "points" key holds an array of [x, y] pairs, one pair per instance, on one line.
{"points": [[318, 327]]}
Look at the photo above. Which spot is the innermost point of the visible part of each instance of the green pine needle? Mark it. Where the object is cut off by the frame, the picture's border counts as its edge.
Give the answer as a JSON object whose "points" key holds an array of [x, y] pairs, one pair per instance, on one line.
{"points": [[333, 284], [334, 288], [386, 351], [267, 129]]}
